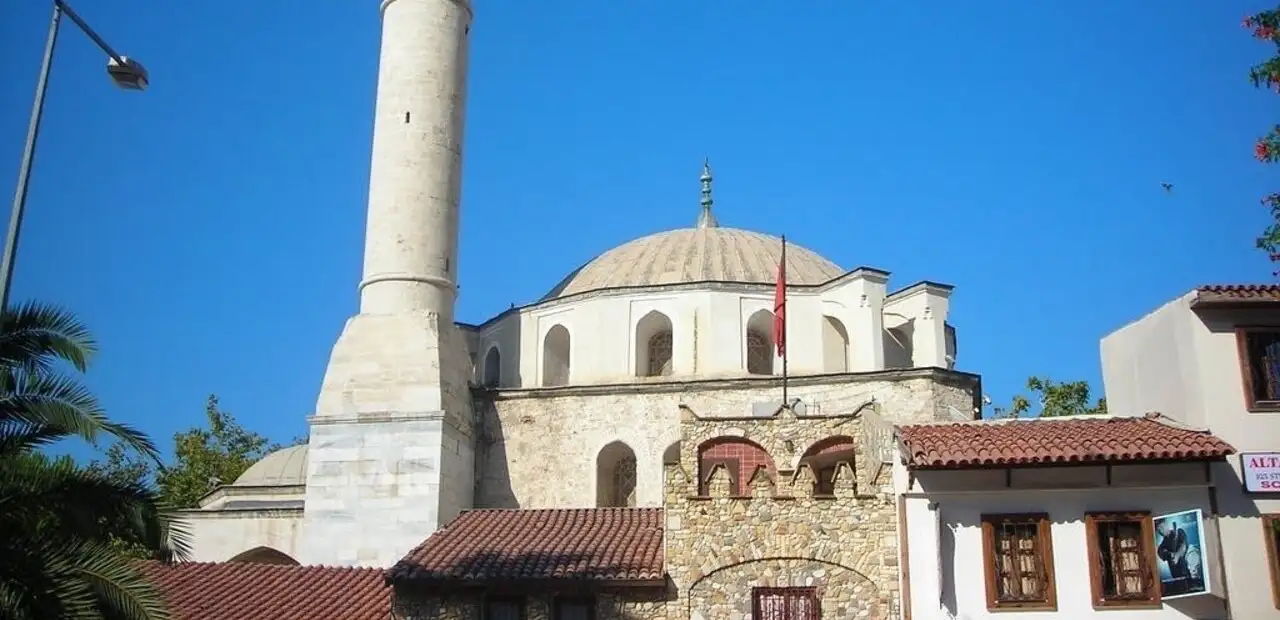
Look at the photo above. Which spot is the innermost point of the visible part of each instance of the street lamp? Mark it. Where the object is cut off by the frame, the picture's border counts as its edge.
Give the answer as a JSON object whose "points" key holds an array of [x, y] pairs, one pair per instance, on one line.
{"points": [[126, 72]]}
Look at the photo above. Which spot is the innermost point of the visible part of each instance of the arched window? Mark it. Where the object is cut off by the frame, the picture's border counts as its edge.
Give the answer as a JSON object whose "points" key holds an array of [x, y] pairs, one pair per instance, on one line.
{"points": [[493, 368], [555, 357], [835, 345], [824, 457], [653, 345], [740, 457], [897, 346], [759, 343], [616, 476]]}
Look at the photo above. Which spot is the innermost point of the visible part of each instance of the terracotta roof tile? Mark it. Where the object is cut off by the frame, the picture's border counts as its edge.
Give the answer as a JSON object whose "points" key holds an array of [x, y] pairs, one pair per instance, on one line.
{"points": [[1237, 293], [599, 544], [1056, 441], [244, 591]]}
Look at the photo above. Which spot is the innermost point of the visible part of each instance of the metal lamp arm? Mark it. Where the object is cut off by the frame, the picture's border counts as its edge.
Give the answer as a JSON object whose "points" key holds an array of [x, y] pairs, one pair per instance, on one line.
{"points": [[84, 27]]}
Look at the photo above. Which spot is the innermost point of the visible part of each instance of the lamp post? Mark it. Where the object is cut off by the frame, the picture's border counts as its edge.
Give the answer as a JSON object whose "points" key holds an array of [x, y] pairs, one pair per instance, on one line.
{"points": [[124, 71]]}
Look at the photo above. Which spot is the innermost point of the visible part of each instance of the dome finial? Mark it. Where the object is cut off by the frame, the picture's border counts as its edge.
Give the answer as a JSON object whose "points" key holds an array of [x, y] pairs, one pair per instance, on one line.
{"points": [[705, 218]]}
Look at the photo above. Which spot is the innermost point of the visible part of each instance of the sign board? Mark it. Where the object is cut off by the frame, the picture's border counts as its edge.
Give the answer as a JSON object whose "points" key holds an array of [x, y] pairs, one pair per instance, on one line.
{"points": [[1181, 556], [1261, 471]]}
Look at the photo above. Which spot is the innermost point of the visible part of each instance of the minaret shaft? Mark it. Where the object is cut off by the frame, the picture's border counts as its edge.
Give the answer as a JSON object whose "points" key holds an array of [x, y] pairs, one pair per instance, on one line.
{"points": [[415, 179]]}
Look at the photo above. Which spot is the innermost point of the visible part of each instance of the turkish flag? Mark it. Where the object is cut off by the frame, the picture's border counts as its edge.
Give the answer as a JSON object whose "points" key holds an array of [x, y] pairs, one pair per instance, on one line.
{"points": [[780, 304]]}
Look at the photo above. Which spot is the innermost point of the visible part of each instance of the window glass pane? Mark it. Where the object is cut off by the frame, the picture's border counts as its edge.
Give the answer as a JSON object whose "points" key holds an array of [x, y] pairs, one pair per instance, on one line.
{"points": [[573, 610], [503, 610]]}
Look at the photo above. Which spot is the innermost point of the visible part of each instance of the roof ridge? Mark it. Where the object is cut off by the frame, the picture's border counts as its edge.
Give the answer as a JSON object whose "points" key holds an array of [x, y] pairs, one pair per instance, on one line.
{"points": [[1160, 418], [184, 563]]}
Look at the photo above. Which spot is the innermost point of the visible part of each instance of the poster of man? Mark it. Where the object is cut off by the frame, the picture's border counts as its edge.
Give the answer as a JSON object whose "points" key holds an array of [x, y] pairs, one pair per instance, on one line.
{"points": [[1180, 553]]}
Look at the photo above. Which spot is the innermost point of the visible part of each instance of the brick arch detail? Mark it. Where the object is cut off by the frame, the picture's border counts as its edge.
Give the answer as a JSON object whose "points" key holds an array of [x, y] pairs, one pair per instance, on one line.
{"points": [[740, 456]]}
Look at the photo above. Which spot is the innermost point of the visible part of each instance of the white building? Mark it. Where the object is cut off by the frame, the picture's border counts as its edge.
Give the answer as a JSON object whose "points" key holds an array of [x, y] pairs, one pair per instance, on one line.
{"points": [[1061, 517], [1212, 358]]}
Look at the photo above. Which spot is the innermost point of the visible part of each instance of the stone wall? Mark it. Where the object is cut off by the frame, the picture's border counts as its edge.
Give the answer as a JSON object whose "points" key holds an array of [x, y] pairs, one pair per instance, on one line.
{"points": [[410, 604], [538, 448], [780, 532]]}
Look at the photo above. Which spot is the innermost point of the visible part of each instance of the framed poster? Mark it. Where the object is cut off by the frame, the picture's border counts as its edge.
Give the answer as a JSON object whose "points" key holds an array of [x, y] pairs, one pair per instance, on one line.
{"points": [[1181, 556]]}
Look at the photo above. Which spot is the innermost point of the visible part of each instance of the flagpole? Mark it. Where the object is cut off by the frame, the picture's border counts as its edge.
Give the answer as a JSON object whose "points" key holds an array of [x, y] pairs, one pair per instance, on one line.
{"points": [[783, 277]]}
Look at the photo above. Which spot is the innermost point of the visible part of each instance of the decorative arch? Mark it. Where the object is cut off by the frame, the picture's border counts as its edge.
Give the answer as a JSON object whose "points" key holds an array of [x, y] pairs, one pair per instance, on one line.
{"points": [[264, 555], [493, 367], [835, 345], [740, 457], [824, 457], [759, 343], [834, 578], [653, 345], [616, 476], [898, 350], [556, 346]]}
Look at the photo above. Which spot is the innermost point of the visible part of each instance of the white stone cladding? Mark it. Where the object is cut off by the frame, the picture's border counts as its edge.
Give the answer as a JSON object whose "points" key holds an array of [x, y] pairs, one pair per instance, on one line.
{"points": [[390, 453]]}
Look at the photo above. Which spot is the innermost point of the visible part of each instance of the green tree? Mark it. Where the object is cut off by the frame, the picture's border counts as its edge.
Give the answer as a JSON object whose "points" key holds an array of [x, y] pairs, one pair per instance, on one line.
{"points": [[207, 457], [59, 521], [1265, 26], [1053, 399]]}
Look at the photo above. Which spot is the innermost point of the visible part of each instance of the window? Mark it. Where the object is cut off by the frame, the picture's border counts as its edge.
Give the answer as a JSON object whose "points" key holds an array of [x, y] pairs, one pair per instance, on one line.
{"points": [[1122, 560], [659, 355], [785, 604], [1018, 556], [1271, 530], [503, 609], [759, 353], [1260, 365], [574, 609]]}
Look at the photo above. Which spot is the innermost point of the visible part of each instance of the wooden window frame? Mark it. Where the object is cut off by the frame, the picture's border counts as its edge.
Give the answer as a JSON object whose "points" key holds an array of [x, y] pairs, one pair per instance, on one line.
{"points": [[1143, 518], [1045, 535], [518, 601], [808, 591], [558, 603], [1246, 369], [1270, 521]]}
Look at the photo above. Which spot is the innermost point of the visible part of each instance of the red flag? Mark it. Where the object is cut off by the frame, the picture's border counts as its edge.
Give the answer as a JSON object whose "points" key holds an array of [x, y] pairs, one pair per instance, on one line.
{"points": [[780, 304]]}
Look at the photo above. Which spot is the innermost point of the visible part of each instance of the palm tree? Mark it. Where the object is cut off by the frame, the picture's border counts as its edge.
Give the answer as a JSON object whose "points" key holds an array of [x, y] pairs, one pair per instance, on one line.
{"points": [[62, 526]]}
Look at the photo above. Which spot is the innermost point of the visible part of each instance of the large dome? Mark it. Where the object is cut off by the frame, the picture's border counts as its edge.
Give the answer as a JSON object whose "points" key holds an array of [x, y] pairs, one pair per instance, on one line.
{"points": [[706, 253]]}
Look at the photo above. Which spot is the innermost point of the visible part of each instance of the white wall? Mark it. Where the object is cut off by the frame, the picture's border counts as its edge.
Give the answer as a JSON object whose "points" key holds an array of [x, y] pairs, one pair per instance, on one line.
{"points": [[218, 536], [1184, 363], [944, 537], [709, 331]]}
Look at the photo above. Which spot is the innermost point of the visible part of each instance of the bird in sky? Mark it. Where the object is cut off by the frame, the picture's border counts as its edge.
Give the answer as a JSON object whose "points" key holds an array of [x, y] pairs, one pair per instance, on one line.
{"points": [[1168, 187]]}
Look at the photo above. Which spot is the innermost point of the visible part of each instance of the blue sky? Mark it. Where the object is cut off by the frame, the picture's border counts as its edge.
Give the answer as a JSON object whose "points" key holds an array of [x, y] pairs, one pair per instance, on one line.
{"points": [[210, 229]]}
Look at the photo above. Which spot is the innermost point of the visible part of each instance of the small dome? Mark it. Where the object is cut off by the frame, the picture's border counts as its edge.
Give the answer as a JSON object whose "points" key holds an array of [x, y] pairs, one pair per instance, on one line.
{"points": [[702, 254], [282, 468]]}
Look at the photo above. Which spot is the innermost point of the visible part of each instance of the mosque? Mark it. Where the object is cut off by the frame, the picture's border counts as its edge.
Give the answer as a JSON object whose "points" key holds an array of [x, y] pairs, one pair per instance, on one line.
{"points": [[638, 402]]}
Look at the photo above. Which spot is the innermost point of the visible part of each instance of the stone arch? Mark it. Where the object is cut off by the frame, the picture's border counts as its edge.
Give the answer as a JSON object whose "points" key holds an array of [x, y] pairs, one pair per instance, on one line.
{"points": [[616, 476], [653, 341], [843, 591], [493, 367], [824, 456], [556, 349], [898, 349], [671, 456], [739, 456], [758, 344], [835, 345], [264, 555]]}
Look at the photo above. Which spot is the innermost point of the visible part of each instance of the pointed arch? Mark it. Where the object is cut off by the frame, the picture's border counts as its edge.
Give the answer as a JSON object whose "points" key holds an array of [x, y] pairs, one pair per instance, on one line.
{"points": [[671, 456], [835, 345], [616, 476], [493, 367], [653, 340], [556, 347], [264, 555], [758, 344]]}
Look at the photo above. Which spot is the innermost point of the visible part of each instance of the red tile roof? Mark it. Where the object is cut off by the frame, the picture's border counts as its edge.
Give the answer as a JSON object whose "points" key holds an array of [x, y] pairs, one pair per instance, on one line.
{"points": [[243, 591], [594, 544], [1237, 293], [1056, 441]]}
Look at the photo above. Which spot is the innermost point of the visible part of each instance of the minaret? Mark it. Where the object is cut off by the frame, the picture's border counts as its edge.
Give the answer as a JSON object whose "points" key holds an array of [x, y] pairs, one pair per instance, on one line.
{"points": [[390, 454], [705, 218]]}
